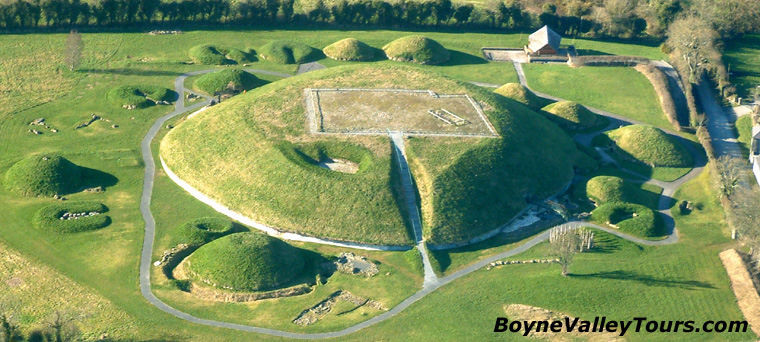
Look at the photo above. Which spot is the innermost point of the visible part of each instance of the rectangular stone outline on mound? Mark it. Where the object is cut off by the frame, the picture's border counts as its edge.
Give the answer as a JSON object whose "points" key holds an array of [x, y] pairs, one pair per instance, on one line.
{"points": [[314, 110]]}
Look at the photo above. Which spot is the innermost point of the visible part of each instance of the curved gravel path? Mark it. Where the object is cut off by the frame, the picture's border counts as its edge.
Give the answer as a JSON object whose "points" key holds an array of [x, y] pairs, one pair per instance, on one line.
{"points": [[150, 228]]}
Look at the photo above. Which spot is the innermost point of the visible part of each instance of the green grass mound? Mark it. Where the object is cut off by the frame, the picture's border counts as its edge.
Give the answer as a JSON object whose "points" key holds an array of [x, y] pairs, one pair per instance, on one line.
{"points": [[43, 175], [417, 49], [254, 156], [137, 96], [216, 55], [203, 230], [519, 93], [226, 80], [651, 146], [571, 115], [349, 49], [71, 217], [633, 219], [605, 189], [245, 262], [288, 52]]}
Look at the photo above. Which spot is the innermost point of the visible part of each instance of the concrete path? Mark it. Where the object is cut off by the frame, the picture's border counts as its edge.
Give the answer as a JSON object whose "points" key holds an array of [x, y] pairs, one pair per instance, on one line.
{"points": [[431, 282], [410, 199], [719, 124], [306, 67]]}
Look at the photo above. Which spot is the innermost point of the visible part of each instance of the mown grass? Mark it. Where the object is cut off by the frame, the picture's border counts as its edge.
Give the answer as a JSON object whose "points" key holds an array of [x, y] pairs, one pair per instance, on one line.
{"points": [[743, 128], [742, 57], [622, 91]]}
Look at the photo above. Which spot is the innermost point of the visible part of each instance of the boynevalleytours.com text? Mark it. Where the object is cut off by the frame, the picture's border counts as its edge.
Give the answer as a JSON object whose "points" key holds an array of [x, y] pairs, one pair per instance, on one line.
{"points": [[603, 325]]}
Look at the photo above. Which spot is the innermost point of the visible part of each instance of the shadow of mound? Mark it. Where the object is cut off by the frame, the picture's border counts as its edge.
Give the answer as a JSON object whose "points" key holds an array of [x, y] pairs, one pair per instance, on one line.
{"points": [[461, 58], [92, 178]]}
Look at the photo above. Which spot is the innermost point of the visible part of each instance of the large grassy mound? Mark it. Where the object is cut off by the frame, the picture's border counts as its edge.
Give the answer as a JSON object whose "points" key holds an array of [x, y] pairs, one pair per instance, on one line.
{"points": [[633, 219], [260, 161], [520, 93], [245, 262], [203, 230], [43, 175], [288, 52], [349, 49], [72, 217], [137, 96], [216, 55], [222, 80], [571, 115], [417, 49], [651, 146]]}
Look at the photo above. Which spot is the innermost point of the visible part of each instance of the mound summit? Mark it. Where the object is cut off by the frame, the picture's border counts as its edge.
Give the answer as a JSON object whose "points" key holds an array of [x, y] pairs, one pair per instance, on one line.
{"points": [[245, 262], [43, 175], [417, 49], [262, 159]]}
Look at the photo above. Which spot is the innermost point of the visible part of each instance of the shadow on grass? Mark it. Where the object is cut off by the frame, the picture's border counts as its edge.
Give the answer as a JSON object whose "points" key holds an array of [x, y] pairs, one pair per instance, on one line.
{"points": [[92, 178], [129, 72], [461, 58], [646, 280]]}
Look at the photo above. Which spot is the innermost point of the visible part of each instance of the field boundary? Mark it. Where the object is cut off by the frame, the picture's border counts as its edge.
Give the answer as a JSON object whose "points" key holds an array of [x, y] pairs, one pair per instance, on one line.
{"points": [[744, 289]]}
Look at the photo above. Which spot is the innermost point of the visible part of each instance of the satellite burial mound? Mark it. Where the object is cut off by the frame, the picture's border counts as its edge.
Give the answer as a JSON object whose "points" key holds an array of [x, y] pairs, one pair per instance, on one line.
{"points": [[43, 175], [254, 155], [651, 146], [520, 93], [245, 262], [349, 49], [416, 49]]}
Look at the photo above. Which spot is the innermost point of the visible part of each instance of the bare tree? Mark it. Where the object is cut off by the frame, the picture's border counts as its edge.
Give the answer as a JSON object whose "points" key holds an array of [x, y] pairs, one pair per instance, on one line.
{"points": [[565, 243], [745, 217], [62, 327], [693, 42], [731, 171], [74, 46]]}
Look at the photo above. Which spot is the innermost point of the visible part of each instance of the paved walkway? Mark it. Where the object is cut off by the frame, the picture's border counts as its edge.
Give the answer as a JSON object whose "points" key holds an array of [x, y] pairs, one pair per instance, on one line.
{"points": [[719, 124], [431, 282], [410, 199], [306, 67]]}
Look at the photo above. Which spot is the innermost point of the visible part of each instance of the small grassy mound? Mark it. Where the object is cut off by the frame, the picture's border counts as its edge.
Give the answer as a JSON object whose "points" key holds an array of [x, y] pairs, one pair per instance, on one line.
{"points": [[604, 189], [651, 146], [571, 115], [349, 49], [43, 175], [222, 80], [52, 218], [288, 52], [137, 96], [519, 93], [204, 230], [417, 49], [216, 55], [245, 262], [633, 219]]}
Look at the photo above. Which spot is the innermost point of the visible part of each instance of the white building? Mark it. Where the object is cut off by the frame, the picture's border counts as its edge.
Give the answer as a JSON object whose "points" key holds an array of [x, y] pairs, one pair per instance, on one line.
{"points": [[754, 152]]}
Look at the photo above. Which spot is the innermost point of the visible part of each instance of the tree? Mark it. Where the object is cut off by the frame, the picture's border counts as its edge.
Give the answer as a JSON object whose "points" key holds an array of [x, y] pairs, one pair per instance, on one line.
{"points": [[730, 172], [745, 218], [62, 327], [693, 43], [462, 13], [565, 243], [73, 51], [9, 330]]}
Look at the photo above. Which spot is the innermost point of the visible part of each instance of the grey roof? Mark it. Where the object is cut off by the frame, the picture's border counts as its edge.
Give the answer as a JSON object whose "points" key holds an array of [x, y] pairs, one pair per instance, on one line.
{"points": [[543, 37]]}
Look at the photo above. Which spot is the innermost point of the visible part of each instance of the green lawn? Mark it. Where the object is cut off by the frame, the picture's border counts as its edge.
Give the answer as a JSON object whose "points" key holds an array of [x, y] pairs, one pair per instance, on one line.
{"points": [[743, 129], [623, 91], [742, 57]]}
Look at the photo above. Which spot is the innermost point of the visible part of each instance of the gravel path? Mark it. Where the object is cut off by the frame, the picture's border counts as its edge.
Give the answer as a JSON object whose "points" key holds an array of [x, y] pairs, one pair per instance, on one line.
{"points": [[431, 283]]}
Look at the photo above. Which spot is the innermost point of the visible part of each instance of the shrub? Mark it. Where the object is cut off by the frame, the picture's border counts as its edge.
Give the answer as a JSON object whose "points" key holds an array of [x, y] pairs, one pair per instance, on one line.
{"points": [[218, 81], [651, 146], [417, 49], [246, 262], [139, 96], [349, 49], [288, 52], [203, 230], [519, 93], [633, 219], [572, 115], [49, 218], [43, 175]]}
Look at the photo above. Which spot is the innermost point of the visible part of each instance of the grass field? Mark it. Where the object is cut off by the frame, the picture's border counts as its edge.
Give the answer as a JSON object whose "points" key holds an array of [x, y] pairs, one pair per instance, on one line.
{"points": [[623, 91], [743, 129], [742, 57], [670, 282]]}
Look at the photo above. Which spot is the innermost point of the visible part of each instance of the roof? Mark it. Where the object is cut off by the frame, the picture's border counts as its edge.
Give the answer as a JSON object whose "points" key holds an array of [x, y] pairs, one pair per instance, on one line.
{"points": [[756, 131], [543, 37]]}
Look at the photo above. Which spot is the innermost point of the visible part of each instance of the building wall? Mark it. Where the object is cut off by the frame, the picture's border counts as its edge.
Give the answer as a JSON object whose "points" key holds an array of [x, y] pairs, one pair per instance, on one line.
{"points": [[756, 169]]}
